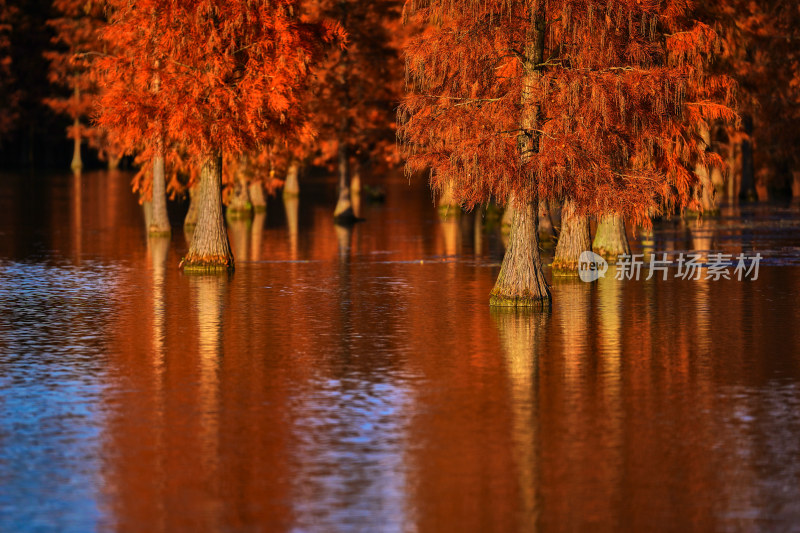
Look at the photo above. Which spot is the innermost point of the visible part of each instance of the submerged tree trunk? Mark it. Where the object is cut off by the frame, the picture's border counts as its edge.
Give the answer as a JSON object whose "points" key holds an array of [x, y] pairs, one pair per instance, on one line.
{"points": [[447, 205], [77, 162], [705, 192], [355, 179], [239, 205], [344, 213], [292, 185], [159, 225], [574, 239], [210, 250], [257, 198], [747, 191], [521, 281], [611, 241], [190, 221]]}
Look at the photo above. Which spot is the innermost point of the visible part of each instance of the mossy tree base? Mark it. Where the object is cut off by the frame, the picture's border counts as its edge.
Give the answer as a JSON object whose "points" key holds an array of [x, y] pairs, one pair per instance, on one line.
{"points": [[521, 281], [239, 213], [611, 240], [574, 239], [209, 250], [192, 264]]}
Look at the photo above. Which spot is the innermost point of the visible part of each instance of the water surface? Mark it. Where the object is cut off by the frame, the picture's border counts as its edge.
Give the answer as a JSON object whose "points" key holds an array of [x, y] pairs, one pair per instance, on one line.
{"points": [[357, 380]]}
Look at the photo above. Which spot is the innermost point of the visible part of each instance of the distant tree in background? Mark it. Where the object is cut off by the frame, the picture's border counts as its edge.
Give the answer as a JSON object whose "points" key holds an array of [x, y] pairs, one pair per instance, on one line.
{"points": [[208, 78], [599, 103], [77, 37], [762, 52], [357, 90]]}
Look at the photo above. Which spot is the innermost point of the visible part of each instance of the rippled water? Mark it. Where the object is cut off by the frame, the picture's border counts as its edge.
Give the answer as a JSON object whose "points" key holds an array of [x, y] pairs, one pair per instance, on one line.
{"points": [[358, 380]]}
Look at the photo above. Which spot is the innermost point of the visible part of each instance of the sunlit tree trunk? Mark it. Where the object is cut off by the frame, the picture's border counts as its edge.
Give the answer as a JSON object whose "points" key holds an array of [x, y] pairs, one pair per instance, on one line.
{"points": [[113, 162], [574, 239], [77, 162], [292, 185], [210, 250], [447, 205], [705, 188], [257, 198], [521, 281], [159, 225], [239, 205], [355, 178], [610, 240], [344, 207]]}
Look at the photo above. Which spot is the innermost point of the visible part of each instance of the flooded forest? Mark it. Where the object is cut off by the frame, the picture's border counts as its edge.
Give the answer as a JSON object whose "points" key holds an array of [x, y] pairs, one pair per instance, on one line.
{"points": [[421, 265]]}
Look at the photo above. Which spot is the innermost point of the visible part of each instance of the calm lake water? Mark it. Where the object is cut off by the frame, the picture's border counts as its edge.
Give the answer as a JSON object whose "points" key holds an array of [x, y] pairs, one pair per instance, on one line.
{"points": [[357, 380]]}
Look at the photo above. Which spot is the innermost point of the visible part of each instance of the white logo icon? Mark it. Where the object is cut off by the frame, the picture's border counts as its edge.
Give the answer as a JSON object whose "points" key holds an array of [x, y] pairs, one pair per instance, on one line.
{"points": [[591, 266]]}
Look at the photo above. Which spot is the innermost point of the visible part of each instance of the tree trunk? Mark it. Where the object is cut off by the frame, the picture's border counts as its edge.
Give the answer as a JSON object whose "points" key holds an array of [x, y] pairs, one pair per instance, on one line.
{"points": [[159, 225], [508, 218], [239, 205], [705, 192], [447, 205], [113, 162], [292, 185], [574, 239], [521, 280], [210, 250], [257, 197], [747, 191], [190, 221], [611, 241], [77, 162], [355, 179], [344, 207]]}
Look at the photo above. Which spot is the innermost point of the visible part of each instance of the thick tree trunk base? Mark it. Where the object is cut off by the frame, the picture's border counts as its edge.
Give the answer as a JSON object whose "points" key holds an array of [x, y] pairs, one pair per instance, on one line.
{"points": [[209, 264], [209, 251], [344, 213], [257, 198], [611, 241], [574, 239], [292, 185], [521, 281]]}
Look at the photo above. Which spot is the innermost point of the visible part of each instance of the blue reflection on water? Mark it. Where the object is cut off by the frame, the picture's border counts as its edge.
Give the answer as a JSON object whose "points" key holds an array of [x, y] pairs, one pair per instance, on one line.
{"points": [[51, 357]]}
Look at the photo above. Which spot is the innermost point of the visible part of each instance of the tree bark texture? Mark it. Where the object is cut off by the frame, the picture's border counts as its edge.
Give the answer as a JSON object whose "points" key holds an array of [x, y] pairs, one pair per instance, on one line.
{"points": [[574, 239], [210, 250], [521, 281], [159, 225], [610, 240]]}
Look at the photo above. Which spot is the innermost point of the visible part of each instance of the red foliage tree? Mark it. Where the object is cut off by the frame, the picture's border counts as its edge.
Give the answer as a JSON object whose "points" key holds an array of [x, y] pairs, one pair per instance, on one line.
{"points": [[762, 52], [593, 101], [358, 87], [207, 77], [77, 35]]}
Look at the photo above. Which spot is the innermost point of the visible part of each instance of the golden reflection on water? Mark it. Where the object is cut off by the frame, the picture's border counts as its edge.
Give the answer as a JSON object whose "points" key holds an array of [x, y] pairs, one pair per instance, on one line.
{"points": [[349, 379]]}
